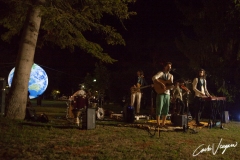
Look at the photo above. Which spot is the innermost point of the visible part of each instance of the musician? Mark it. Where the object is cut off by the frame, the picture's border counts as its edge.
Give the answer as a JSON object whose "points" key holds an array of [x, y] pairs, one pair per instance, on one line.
{"points": [[200, 89], [136, 93], [80, 92], [163, 99], [79, 99], [178, 96]]}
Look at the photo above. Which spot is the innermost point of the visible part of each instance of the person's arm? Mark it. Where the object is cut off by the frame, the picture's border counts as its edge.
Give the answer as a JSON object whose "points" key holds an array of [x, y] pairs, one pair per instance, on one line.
{"points": [[72, 97], [156, 77], [205, 88], [174, 93], [171, 79]]}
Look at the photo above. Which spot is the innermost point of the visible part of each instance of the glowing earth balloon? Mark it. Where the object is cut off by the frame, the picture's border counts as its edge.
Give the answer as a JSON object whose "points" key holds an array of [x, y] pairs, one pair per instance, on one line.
{"points": [[37, 83]]}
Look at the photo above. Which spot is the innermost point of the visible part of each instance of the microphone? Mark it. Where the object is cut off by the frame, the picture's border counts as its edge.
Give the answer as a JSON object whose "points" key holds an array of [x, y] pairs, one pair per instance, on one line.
{"points": [[188, 81], [173, 69]]}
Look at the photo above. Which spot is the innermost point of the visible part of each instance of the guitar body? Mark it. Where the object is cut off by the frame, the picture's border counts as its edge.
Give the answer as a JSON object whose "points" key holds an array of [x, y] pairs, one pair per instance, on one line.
{"points": [[158, 87], [137, 88]]}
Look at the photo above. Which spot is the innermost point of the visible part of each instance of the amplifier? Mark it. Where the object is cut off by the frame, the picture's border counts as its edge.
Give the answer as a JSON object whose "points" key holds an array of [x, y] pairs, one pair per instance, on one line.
{"points": [[225, 117], [89, 119], [179, 120]]}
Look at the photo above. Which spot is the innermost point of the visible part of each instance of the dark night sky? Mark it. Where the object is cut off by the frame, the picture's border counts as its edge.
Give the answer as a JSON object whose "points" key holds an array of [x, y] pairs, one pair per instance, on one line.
{"points": [[152, 31]]}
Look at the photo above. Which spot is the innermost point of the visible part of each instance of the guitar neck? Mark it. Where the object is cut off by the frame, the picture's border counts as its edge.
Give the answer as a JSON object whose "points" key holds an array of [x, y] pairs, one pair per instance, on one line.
{"points": [[145, 87], [138, 88]]}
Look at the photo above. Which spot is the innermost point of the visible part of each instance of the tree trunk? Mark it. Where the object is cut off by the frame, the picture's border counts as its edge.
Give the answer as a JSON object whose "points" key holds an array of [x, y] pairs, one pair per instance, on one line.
{"points": [[17, 97]]}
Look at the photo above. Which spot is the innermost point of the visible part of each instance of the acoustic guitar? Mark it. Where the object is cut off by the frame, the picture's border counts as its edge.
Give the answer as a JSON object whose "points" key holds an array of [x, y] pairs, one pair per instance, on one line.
{"points": [[138, 87], [158, 87]]}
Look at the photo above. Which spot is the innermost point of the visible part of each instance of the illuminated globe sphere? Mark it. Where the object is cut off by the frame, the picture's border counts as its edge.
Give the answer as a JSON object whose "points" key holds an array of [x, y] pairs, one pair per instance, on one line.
{"points": [[37, 83]]}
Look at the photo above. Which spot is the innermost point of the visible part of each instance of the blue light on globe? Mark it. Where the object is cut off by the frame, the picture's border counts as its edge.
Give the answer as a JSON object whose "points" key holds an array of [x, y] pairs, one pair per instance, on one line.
{"points": [[38, 81]]}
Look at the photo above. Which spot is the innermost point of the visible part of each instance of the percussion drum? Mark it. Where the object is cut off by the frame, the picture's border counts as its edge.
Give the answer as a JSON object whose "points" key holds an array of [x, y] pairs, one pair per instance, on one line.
{"points": [[100, 113], [80, 102]]}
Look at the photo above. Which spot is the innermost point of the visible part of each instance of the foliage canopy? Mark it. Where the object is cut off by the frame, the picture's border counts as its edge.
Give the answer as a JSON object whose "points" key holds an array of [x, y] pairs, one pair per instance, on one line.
{"points": [[70, 24], [211, 41]]}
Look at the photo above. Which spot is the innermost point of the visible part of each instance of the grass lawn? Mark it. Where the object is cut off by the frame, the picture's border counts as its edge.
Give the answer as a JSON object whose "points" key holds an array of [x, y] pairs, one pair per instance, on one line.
{"points": [[111, 139]]}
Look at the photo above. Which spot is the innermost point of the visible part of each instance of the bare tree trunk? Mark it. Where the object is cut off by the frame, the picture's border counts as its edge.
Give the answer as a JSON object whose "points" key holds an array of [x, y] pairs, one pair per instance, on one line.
{"points": [[17, 98]]}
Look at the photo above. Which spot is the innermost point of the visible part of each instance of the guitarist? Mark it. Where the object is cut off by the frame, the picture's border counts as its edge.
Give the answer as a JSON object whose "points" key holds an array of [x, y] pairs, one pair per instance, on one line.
{"points": [[136, 93], [163, 99]]}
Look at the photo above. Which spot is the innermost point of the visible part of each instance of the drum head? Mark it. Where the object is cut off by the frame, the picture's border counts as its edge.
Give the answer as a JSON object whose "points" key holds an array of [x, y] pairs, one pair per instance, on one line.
{"points": [[100, 113], [80, 102]]}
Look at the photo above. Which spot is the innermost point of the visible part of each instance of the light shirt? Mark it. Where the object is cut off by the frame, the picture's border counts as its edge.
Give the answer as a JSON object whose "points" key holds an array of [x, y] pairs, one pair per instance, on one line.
{"points": [[78, 93], [163, 76], [177, 93], [203, 88]]}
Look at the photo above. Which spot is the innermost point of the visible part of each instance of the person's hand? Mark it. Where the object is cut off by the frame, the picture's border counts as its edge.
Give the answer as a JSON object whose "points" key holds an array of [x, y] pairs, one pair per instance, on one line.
{"points": [[164, 87]]}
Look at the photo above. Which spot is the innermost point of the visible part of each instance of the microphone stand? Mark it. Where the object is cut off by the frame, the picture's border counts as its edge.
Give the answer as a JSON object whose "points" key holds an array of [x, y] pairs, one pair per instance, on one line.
{"points": [[185, 126], [152, 109]]}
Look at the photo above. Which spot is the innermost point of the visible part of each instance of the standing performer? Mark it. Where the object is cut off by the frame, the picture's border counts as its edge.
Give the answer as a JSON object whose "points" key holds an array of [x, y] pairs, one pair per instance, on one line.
{"points": [[136, 93], [200, 89], [163, 98]]}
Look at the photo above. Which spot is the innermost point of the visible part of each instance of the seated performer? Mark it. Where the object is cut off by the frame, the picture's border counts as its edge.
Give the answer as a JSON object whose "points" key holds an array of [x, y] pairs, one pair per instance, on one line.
{"points": [[80, 92], [79, 99]]}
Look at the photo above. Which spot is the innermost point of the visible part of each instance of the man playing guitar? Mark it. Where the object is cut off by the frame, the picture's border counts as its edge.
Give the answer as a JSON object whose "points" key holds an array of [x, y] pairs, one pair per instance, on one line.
{"points": [[136, 93], [162, 86]]}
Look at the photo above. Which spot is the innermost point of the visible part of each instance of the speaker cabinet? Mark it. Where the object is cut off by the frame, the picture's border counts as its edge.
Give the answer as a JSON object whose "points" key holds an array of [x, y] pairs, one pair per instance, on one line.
{"points": [[225, 117], [2, 95], [179, 120], [89, 119]]}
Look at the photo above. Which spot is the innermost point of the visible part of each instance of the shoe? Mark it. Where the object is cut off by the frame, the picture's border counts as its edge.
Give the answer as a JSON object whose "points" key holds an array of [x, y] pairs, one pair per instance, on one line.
{"points": [[164, 126], [199, 124]]}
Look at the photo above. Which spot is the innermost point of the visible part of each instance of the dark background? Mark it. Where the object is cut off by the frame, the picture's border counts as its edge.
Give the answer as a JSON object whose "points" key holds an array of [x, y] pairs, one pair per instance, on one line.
{"points": [[150, 41]]}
